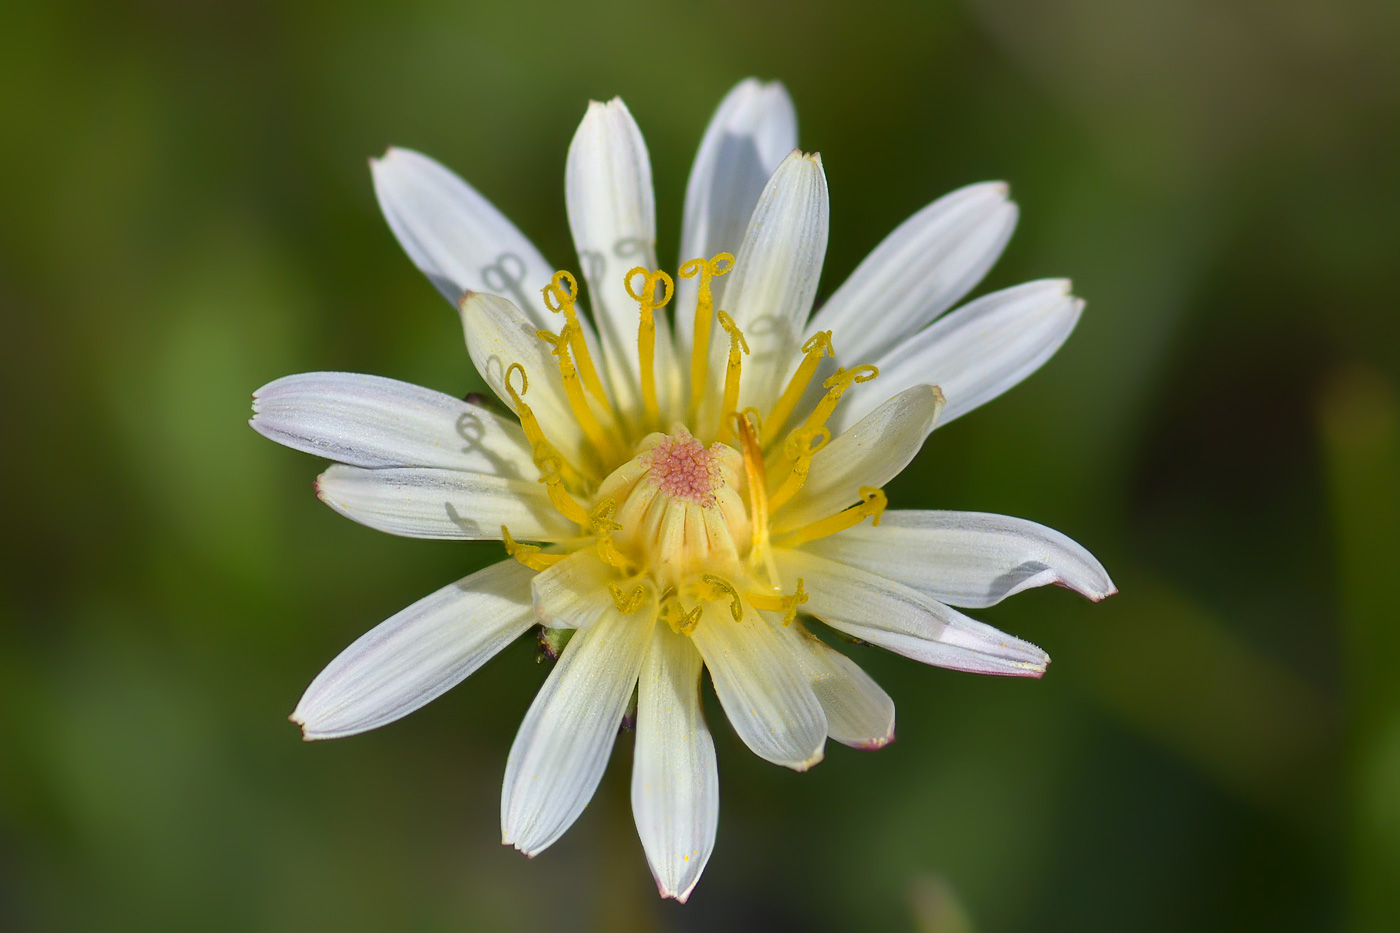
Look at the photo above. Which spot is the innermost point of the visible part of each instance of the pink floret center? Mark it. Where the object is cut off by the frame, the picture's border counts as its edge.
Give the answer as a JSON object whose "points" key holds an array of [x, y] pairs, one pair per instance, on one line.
{"points": [[682, 468]]}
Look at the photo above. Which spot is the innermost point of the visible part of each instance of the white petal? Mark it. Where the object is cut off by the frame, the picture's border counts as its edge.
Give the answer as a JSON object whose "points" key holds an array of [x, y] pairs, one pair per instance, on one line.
{"points": [[612, 214], [574, 592], [562, 748], [369, 421], [498, 335], [675, 782], [763, 687], [919, 271], [420, 502], [969, 559], [753, 129], [893, 616], [871, 453], [418, 654], [459, 240], [858, 712], [770, 291], [979, 351]]}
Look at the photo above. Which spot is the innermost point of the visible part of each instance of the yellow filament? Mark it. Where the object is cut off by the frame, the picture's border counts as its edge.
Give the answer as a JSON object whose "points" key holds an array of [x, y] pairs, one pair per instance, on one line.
{"points": [[646, 331], [800, 449], [573, 390], [836, 387], [872, 506], [529, 554], [722, 588], [816, 347], [776, 602], [707, 270], [560, 295], [602, 525], [551, 467], [731, 375], [629, 603], [528, 422]]}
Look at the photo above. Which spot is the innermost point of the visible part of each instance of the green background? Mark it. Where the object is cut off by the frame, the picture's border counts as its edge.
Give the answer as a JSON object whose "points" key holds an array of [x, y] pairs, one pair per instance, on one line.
{"points": [[188, 214]]}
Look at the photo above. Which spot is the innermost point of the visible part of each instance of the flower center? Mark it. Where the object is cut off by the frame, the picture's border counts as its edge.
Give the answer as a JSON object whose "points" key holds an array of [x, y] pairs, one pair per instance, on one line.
{"points": [[682, 468], [680, 506], [688, 520]]}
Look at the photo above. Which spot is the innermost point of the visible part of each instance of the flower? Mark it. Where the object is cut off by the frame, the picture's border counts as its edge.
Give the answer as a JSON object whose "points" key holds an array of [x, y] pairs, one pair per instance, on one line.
{"points": [[677, 492]]}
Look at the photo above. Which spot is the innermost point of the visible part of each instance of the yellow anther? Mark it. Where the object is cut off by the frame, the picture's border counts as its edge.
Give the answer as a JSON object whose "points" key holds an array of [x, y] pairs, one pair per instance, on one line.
{"points": [[875, 502], [529, 554], [551, 467], [602, 517], [560, 295], [799, 444], [817, 346], [573, 390], [646, 331], [707, 270], [601, 525], [674, 615], [798, 597], [629, 603], [722, 588], [732, 370], [517, 397], [836, 387], [799, 449], [776, 602], [872, 505]]}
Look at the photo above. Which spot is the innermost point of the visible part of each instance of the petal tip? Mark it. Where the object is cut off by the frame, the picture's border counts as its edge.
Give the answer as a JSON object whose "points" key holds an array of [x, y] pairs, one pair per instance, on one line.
{"points": [[299, 720], [392, 154], [875, 745], [683, 896], [811, 762]]}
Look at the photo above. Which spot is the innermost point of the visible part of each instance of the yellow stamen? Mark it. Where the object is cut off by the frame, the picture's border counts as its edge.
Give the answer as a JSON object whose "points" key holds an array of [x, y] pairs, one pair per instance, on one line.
{"points": [[731, 375], [646, 331], [872, 506], [799, 449], [816, 347], [528, 422], [836, 387], [758, 489], [631, 602], [722, 588], [551, 467], [706, 269], [560, 295], [573, 390], [776, 602], [602, 525], [529, 554]]}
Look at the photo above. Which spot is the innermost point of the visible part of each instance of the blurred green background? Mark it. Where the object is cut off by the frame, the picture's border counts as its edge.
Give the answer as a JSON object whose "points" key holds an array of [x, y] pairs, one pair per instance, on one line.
{"points": [[188, 215]]}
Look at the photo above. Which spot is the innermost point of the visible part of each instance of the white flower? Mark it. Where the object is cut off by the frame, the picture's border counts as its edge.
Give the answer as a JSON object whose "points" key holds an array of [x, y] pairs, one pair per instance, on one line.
{"points": [[692, 482]]}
